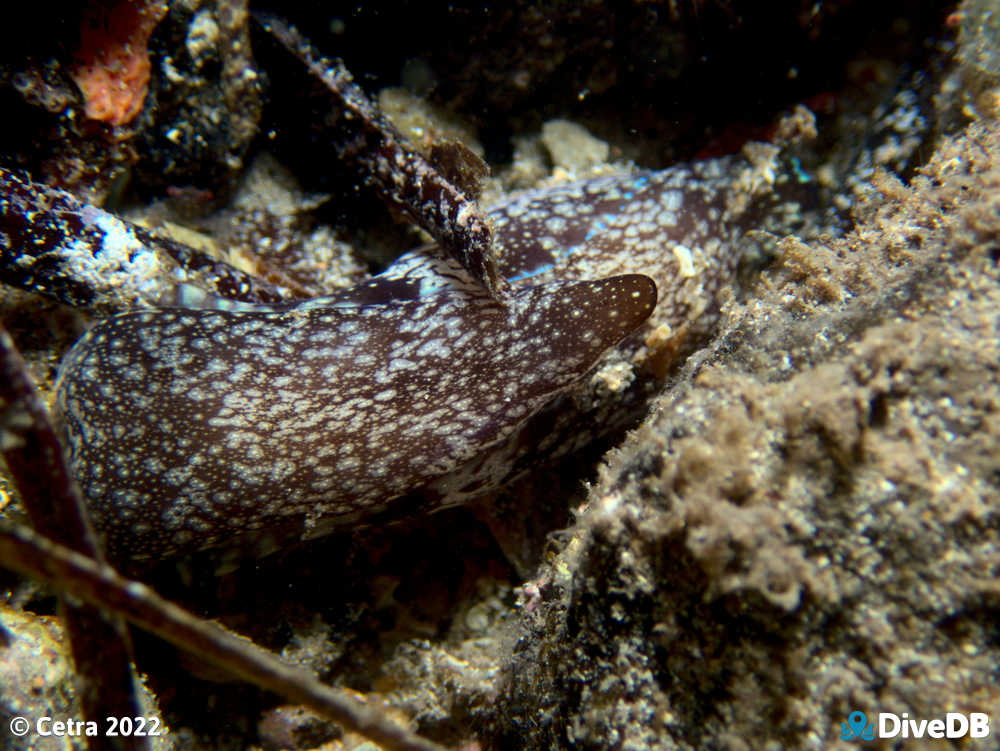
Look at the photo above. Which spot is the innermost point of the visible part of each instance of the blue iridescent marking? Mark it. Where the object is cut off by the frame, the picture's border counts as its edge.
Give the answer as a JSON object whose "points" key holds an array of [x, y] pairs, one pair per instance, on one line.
{"points": [[531, 273], [800, 174], [599, 226]]}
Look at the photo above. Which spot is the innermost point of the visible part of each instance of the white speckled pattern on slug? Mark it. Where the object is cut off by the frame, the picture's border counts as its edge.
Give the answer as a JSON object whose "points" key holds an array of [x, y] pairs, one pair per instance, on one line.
{"points": [[189, 428], [175, 424]]}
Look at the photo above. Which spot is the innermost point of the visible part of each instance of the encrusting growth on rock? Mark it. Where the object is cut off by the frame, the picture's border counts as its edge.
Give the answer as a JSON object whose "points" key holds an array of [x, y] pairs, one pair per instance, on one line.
{"points": [[112, 63]]}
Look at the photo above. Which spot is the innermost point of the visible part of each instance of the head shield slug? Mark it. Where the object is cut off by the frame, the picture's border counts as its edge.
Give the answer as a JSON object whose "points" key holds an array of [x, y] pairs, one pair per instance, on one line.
{"points": [[192, 428]]}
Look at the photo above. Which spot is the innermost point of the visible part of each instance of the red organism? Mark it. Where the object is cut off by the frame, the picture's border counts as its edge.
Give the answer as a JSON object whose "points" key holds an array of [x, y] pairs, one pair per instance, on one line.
{"points": [[112, 61]]}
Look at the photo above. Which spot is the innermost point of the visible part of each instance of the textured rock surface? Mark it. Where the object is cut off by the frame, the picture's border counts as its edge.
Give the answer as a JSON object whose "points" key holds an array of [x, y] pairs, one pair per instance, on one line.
{"points": [[807, 522], [37, 680], [36, 676]]}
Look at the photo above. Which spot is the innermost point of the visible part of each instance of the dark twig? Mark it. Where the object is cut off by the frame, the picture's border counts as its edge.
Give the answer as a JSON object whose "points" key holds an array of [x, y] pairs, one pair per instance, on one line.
{"points": [[99, 584], [101, 646], [401, 176], [83, 256]]}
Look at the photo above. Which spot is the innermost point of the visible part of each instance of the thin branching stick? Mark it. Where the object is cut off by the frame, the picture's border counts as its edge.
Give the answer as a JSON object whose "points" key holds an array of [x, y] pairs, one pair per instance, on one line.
{"points": [[97, 583], [401, 176], [100, 645]]}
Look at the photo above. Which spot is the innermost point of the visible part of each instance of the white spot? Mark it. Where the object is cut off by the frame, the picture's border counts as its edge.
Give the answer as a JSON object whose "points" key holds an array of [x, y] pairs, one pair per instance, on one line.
{"points": [[685, 261]]}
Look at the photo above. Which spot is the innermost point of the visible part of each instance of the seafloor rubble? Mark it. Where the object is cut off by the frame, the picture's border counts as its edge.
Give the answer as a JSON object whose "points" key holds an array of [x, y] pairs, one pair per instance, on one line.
{"points": [[804, 525]]}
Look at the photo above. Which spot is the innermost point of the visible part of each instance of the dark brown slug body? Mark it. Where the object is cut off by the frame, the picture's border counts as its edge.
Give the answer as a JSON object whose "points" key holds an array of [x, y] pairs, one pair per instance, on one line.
{"points": [[198, 428], [192, 427]]}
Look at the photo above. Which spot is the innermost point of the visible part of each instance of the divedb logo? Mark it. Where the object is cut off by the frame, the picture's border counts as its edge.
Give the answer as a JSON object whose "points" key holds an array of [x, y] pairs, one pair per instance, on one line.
{"points": [[890, 725]]}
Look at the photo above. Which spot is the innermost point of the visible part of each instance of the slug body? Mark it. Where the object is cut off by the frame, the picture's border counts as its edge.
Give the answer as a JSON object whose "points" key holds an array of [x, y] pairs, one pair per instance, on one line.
{"points": [[190, 428]]}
